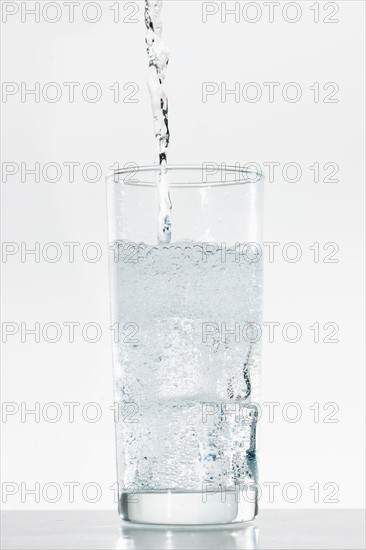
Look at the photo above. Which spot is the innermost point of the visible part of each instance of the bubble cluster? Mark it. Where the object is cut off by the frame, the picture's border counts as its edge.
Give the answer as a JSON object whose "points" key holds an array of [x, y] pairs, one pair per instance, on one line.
{"points": [[194, 394]]}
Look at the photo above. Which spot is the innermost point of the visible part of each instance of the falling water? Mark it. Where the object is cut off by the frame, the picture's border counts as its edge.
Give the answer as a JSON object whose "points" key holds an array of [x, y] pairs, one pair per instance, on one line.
{"points": [[158, 61]]}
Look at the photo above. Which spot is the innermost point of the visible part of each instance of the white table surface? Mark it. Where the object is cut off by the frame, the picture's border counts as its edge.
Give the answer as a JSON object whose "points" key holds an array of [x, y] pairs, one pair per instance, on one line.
{"points": [[273, 529]]}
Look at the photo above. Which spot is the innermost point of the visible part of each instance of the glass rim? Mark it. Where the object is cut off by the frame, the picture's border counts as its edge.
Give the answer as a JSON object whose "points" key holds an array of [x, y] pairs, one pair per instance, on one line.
{"points": [[242, 175]]}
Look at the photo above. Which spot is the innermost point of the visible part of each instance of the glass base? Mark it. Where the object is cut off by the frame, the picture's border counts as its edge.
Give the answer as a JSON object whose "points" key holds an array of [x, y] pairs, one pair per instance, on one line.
{"points": [[173, 508]]}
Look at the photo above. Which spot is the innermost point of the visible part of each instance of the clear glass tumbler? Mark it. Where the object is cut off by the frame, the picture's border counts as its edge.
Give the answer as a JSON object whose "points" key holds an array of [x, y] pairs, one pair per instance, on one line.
{"points": [[186, 322]]}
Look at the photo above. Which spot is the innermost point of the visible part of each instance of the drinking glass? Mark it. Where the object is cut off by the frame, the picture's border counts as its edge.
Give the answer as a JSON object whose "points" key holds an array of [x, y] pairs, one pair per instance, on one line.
{"points": [[186, 331]]}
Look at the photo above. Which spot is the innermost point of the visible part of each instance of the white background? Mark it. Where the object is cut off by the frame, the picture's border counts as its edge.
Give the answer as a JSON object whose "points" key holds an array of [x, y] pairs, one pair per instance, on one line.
{"points": [[306, 212]]}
